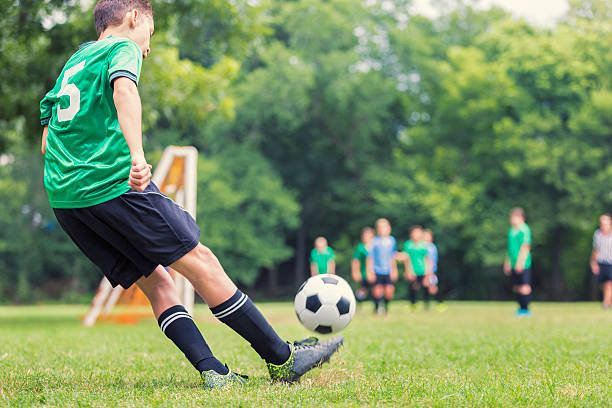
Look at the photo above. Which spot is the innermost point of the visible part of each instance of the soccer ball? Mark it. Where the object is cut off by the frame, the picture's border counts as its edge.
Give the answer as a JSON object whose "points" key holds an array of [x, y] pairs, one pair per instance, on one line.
{"points": [[325, 303]]}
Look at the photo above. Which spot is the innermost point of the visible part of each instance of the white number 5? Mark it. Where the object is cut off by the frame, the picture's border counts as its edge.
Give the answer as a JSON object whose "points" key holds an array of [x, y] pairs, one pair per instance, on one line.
{"points": [[73, 92]]}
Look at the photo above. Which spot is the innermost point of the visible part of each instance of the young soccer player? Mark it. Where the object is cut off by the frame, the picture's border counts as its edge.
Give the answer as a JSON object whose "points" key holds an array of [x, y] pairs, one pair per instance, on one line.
{"points": [[358, 263], [432, 279], [601, 258], [322, 258], [416, 265], [381, 266], [518, 259], [99, 184]]}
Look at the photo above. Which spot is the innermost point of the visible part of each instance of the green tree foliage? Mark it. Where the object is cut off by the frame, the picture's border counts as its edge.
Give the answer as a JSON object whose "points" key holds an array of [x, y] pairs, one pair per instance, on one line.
{"points": [[353, 110]]}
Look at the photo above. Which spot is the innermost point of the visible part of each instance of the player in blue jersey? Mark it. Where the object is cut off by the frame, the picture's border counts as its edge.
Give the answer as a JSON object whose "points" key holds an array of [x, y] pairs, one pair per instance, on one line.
{"points": [[432, 277], [382, 267]]}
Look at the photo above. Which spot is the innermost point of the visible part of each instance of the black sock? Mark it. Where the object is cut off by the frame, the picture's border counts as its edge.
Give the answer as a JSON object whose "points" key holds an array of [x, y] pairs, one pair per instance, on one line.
{"points": [[387, 304], [413, 295], [439, 297], [526, 300], [178, 325], [519, 299], [239, 313], [523, 301], [426, 296], [377, 301]]}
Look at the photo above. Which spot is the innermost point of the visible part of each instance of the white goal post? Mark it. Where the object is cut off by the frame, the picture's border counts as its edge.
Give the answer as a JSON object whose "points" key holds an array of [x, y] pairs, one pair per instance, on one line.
{"points": [[175, 176]]}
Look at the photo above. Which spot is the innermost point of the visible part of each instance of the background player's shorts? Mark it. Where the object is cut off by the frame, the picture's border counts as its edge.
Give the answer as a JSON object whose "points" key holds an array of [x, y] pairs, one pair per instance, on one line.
{"points": [[605, 273], [129, 236], [365, 284], [523, 278], [383, 280], [418, 280]]}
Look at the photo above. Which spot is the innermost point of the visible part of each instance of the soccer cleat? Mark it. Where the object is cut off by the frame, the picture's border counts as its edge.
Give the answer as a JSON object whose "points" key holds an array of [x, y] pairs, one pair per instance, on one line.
{"points": [[214, 380], [305, 355], [523, 313]]}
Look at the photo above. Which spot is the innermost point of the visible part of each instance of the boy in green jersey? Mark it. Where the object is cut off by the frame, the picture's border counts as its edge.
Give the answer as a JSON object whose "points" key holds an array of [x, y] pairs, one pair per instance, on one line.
{"points": [[322, 258], [416, 264], [99, 186], [359, 271], [518, 259]]}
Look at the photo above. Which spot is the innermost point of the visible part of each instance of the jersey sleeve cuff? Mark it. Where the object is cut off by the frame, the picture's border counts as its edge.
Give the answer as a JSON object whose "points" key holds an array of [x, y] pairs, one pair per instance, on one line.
{"points": [[45, 121], [122, 73]]}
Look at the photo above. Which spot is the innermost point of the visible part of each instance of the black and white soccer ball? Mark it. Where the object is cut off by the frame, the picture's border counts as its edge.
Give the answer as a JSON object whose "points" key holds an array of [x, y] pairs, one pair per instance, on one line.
{"points": [[325, 304]]}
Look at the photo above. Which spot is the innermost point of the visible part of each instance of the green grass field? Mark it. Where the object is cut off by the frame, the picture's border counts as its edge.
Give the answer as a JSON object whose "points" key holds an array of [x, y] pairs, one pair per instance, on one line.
{"points": [[474, 354]]}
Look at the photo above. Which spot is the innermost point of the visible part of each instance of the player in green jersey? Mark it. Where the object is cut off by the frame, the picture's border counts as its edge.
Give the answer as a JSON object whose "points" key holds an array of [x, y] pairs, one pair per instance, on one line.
{"points": [[518, 259], [416, 264], [99, 186], [359, 271], [322, 258]]}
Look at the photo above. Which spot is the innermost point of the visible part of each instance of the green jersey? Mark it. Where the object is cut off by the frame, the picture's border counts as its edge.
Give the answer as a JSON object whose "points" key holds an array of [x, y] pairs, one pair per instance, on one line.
{"points": [[361, 254], [321, 258], [518, 237], [87, 160], [417, 252]]}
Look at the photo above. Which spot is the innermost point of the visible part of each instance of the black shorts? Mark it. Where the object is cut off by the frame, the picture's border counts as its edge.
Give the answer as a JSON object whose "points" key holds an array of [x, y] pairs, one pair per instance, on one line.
{"points": [[383, 280], [365, 284], [523, 278], [418, 280], [605, 273], [129, 236]]}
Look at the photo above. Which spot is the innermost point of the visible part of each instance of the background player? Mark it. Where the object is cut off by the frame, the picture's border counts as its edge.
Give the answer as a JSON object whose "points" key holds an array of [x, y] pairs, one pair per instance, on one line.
{"points": [[432, 279], [322, 258], [381, 266], [601, 258], [359, 271], [518, 259], [99, 186], [416, 264]]}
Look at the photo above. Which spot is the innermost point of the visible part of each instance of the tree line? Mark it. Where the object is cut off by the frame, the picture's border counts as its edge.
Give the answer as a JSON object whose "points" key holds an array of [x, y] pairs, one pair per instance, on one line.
{"points": [[315, 117]]}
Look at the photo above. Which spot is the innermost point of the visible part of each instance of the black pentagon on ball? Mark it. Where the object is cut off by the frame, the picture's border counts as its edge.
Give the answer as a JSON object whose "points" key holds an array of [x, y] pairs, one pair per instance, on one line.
{"points": [[330, 280], [313, 303], [323, 329], [343, 305]]}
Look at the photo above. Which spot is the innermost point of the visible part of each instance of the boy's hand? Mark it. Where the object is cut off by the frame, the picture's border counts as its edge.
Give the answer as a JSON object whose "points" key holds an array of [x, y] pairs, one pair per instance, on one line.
{"points": [[140, 174], [507, 268], [595, 268], [410, 276], [393, 275], [371, 277]]}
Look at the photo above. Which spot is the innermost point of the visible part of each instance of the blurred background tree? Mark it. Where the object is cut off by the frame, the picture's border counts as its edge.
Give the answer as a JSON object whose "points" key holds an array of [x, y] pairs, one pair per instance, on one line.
{"points": [[315, 117]]}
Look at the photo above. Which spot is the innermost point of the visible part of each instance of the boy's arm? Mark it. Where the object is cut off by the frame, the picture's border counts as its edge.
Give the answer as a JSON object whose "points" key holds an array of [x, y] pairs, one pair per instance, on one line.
{"points": [[314, 269], [43, 144], [355, 272], [331, 267], [594, 264], [370, 270], [428, 266], [507, 266], [393, 274], [522, 257], [408, 273], [129, 114]]}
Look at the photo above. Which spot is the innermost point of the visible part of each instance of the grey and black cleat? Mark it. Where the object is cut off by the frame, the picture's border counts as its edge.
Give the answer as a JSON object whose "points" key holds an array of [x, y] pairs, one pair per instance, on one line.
{"points": [[214, 380], [305, 355]]}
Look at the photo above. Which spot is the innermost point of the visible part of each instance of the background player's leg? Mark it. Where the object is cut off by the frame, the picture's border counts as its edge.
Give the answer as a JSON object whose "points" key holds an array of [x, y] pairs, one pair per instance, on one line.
{"points": [[377, 294], [607, 294], [413, 293], [389, 292], [525, 296], [202, 268], [176, 323]]}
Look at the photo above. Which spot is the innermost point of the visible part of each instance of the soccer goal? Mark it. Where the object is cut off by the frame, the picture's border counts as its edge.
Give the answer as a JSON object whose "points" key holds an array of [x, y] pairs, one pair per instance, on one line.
{"points": [[175, 176]]}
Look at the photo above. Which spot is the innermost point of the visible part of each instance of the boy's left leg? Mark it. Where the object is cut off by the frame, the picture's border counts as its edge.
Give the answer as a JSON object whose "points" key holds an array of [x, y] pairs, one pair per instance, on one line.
{"points": [[176, 323]]}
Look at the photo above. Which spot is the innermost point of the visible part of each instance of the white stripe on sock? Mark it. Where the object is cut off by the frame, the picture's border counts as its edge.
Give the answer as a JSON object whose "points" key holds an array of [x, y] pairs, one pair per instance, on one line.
{"points": [[172, 318], [232, 308]]}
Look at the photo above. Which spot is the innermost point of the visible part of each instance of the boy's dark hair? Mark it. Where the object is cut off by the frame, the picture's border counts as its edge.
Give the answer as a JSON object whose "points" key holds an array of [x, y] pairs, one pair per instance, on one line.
{"points": [[415, 227], [111, 12], [518, 211]]}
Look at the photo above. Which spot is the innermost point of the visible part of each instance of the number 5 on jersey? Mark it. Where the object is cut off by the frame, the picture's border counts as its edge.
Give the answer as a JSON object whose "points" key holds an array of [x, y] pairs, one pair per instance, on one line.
{"points": [[72, 91]]}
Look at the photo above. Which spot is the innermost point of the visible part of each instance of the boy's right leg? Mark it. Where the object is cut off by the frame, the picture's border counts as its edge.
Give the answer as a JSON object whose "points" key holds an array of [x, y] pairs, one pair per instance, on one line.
{"points": [[285, 362]]}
